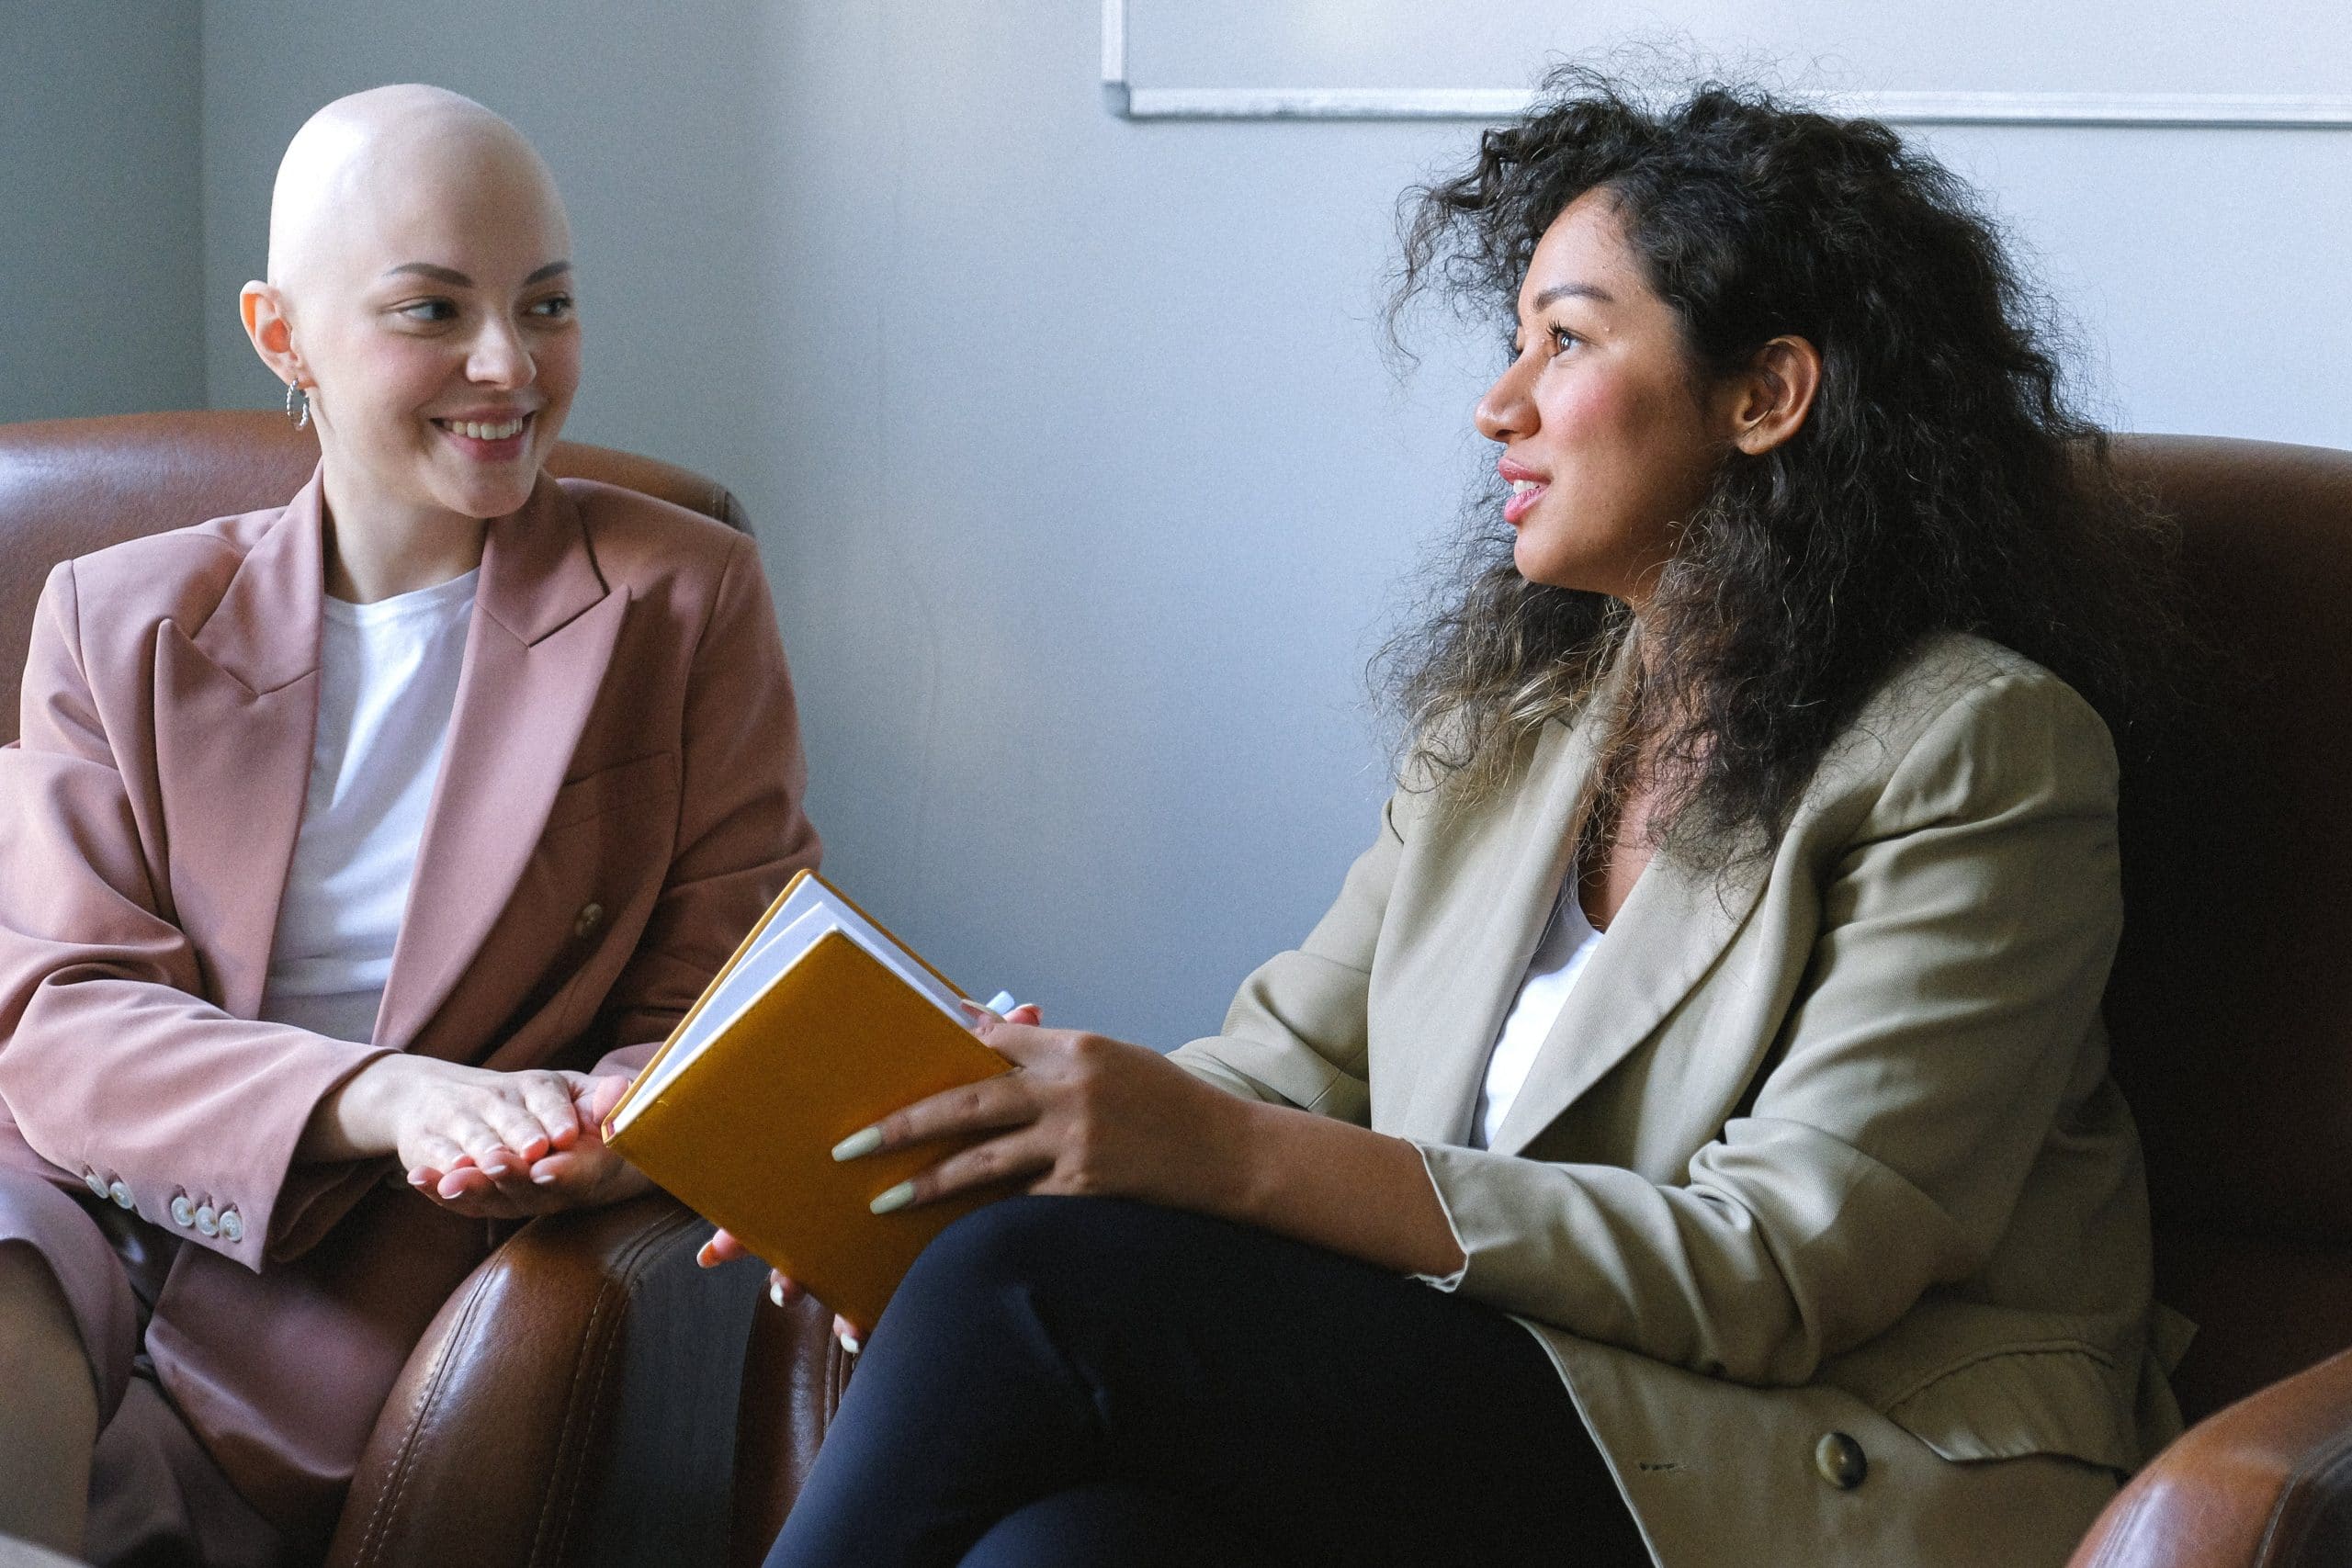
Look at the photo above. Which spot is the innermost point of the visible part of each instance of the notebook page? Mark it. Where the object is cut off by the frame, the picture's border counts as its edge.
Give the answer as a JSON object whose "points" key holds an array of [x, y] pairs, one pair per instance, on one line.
{"points": [[787, 941]]}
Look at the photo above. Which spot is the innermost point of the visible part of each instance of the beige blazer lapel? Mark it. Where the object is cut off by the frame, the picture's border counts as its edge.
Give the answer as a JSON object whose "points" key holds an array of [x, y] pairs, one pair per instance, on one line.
{"points": [[1506, 888], [236, 709], [543, 631], [1673, 927]]}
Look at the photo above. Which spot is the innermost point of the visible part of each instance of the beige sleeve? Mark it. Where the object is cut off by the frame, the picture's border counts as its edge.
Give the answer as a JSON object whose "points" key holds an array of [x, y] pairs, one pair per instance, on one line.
{"points": [[1965, 935]]}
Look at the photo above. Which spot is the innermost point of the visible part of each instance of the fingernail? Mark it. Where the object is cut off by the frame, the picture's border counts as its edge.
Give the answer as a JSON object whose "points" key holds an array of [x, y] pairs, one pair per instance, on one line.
{"points": [[973, 1009], [542, 1178], [703, 1257], [850, 1343], [416, 1178], [1002, 1002], [494, 1169], [864, 1142], [776, 1292], [898, 1197]]}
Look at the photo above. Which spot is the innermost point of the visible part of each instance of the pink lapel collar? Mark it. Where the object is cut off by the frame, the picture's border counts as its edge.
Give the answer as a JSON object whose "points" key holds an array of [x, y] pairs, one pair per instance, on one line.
{"points": [[235, 708], [543, 627]]}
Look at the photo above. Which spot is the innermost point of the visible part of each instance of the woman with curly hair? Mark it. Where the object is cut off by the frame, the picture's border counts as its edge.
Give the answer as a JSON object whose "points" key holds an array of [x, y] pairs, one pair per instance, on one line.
{"points": [[1689, 1136]]}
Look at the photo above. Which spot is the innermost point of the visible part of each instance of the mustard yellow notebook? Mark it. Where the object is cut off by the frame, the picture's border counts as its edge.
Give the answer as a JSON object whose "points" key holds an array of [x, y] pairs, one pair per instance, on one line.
{"points": [[821, 1024]]}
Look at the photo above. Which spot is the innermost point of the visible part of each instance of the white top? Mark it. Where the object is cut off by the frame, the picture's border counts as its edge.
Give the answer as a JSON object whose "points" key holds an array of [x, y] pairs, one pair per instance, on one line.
{"points": [[1561, 953], [388, 681]]}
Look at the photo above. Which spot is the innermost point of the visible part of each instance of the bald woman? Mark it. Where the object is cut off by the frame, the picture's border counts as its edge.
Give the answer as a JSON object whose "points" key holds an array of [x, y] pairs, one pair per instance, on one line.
{"points": [[357, 851]]}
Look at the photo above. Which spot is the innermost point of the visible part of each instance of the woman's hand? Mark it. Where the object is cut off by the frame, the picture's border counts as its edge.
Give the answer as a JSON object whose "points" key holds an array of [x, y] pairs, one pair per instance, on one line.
{"points": [[487, 1145], [1084, 1116], [724, 1247]]}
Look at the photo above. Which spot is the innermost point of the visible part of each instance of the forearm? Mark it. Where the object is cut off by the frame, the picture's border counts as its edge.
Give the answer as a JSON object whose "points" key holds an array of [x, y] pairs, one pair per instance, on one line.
{"points": [[353, 1119], [1339, 1186]]}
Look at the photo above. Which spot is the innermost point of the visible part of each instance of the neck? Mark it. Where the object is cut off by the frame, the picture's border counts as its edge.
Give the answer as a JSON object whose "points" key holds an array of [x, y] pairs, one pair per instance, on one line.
{"points": [[380, 551]]}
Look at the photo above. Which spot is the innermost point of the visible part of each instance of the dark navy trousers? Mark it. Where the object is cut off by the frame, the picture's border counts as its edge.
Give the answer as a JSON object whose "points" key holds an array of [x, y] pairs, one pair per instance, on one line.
{"points": [[1065, 1381]]}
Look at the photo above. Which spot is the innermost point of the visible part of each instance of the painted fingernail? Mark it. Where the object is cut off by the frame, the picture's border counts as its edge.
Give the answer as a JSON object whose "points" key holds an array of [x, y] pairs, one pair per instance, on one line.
{"points": [[850, 1343], [1002, 1002], [776, 1292], [864, 1142], [704, 1256], [898, 1197], [417, 1179]]}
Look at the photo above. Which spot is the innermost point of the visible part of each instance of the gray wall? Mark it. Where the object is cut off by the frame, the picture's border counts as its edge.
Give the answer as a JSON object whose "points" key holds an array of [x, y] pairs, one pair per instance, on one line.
{"points": [[101, 217], [1082, 483]]}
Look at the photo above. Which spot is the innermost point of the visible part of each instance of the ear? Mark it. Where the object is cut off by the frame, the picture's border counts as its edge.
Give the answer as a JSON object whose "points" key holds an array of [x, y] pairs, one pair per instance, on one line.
{"points": [[1771, 398], [271, 331]]}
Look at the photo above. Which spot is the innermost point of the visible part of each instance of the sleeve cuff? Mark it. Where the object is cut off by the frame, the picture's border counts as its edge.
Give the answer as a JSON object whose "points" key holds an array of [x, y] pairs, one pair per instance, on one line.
{"points": [[1447, 1282]]}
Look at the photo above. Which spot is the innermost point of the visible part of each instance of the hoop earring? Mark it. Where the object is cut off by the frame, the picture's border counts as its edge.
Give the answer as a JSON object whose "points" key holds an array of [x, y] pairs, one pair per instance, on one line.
{"points": [[301, 421]]}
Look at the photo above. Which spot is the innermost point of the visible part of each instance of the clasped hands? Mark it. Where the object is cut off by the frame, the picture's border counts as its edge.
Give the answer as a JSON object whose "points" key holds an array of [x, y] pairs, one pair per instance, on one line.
{"points": [[1080, 1115], [484, 1144]]}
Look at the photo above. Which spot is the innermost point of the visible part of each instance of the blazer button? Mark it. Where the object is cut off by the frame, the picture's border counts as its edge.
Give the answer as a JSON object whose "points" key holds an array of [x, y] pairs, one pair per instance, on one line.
{"points": [[120, 1194], [590, 917], [1840, 1461], [233, 1226], [207, 1222], [95, 1183], [183, 1212]]}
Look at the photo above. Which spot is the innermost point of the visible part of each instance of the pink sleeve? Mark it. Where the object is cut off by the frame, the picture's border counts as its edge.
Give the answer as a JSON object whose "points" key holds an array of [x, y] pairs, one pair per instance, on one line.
{"points": [[112, 1063]]}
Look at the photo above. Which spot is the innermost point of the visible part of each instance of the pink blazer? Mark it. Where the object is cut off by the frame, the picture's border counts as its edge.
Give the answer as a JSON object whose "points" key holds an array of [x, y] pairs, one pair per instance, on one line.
{"points": [[620, 799]]}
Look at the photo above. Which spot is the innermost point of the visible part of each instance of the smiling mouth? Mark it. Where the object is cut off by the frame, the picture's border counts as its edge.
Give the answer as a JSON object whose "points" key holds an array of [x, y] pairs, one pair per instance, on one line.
{"points": [[475, 430], [1525, 493]]}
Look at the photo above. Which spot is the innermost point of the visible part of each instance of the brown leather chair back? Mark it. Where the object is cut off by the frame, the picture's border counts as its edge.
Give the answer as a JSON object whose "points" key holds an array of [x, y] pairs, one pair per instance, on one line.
{"points": [[2231, 1003], [71, 486]]}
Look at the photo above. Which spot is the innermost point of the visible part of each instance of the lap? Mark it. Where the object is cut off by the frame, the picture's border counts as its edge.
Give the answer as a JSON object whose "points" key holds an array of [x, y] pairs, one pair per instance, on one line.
{"points": [[156, 1497], [1050, 1345]]}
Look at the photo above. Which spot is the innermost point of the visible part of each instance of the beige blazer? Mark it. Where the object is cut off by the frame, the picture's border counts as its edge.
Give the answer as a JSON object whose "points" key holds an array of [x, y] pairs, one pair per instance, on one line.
{"points": [[1818, 1193], [619, 799]]}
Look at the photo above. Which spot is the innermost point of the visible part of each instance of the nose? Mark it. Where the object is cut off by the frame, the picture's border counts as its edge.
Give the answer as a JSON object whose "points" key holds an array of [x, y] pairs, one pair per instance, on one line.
{"points": [[1506, 412], [499, 358]]}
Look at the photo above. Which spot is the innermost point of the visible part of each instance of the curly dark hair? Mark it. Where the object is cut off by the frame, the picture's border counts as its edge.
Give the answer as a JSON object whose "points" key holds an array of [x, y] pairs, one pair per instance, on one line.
{"points": [[1941, 481]]}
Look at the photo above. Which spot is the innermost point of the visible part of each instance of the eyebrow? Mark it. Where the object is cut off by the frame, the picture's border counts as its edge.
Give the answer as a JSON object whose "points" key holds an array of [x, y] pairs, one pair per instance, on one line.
{"points": [[457, 279], [1575, 290]]}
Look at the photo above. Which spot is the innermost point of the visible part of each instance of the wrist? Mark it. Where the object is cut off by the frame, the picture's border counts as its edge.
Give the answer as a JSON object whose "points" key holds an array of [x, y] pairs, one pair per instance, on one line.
{"points": [[356, 1119], [1249, 1158]]}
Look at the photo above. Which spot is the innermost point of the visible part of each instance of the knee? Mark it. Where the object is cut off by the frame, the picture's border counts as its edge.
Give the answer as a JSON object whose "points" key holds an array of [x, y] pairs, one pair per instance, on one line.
{"points": [[41, 1358]]}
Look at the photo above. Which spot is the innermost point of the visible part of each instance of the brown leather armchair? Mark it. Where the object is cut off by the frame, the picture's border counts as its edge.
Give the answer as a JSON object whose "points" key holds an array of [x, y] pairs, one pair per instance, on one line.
{"points": [[2231, 1008], [2232, 1012], [574, 1403]]}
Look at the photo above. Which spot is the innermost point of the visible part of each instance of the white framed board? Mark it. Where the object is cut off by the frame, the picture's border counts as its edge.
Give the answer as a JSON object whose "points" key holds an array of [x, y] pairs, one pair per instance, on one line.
{"points": [[2282, 65]]}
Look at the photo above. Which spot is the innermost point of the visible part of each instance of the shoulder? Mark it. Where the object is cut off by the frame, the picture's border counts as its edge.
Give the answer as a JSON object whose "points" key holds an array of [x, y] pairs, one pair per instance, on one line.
{"points": [[179, 575], [638, 540], [1963, 718]]}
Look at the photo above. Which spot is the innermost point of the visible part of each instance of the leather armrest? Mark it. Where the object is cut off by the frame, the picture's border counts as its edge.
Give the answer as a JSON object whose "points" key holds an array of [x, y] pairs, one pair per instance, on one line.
{"points": [[794, 1373], [2266, 1482], [573, 1402]]}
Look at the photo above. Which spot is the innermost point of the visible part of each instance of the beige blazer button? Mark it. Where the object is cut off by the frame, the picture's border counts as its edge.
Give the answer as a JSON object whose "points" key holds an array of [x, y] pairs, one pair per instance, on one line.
{"points": [[120, 1194], [233, 1226], [183, 1212], [95, 1183], [207, 1222], [1840, 1461], [590, 917]]}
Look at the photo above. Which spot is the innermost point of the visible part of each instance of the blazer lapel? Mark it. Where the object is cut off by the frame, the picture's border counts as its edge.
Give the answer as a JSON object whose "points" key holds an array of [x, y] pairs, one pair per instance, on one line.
{"points": [[236, 709], [1506, 888], [1674, 925], [543, 631]]}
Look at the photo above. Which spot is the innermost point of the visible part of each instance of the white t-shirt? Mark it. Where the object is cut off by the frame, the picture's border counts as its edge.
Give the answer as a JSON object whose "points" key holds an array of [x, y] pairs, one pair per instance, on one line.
{"points": [[388, 681], [1561, 953]]}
